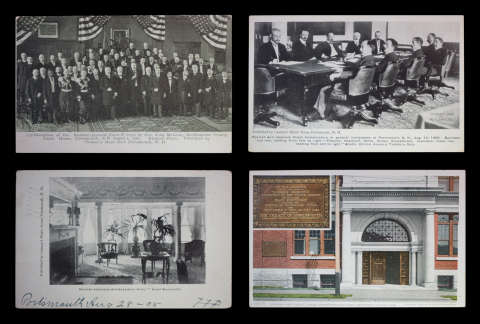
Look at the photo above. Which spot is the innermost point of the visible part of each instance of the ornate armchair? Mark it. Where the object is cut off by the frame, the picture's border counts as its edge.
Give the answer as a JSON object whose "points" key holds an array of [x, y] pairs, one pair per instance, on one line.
{"points": [[412, 77], [108, 251], [195, 248], [439, 71], [356, 95]]}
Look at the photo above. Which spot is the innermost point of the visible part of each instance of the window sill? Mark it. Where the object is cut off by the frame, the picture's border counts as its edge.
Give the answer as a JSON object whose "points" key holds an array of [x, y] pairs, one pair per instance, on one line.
{"points": [[447, 258], [306, 257]]}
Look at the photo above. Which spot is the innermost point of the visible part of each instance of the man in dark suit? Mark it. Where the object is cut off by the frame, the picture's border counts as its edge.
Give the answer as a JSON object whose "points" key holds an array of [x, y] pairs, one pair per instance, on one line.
{"points": [[147, 91], [130, 53], [52, 65], [76, 58], [202, 69], [183, 93], [41, 63], [302, 50], [164, 66], [354, 48], [328, 49], [212, 66], [190, 61], [34, 95], [84, 95], [341, 80], [438, 56], [144, 50], [116, 61], [108, 86], [96, 96], [390, 56], [170, 94], [176, 68], [210, 96], [197, 87], [224, 95], [51, 92], [273, 51], [431, 47], [417, 52], [122, 92], [378, 43], [137, 56], [107, 62], [134, 79], [101, 69], [99, 54]]}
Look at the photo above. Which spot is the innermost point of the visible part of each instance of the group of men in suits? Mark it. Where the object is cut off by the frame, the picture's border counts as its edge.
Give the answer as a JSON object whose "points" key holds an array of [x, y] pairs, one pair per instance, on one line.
{"points": [[132, 82]]}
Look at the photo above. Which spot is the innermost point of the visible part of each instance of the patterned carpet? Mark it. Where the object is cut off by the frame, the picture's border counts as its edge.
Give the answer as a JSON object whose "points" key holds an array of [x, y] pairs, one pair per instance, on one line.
{"points": [[128, 266], [132, 124], [388, 120]]}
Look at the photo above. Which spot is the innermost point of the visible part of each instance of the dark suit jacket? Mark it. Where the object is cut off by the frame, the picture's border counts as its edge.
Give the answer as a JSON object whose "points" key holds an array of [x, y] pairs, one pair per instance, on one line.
{"points": [[143, 52], [197, 83], [266, 53], [408, 62], [33, 88], [383, 64], [73, 62], [202, 68], [40, 65], [184, 85], [47, 90], [95, 85], [373, 42], [352, 48], [302, 52], [52, 66], [170, 93], [131, 83], [130, 53], [437, 56], [107, 96], [214, 68], [123, 87], [146, 84], [430, 49], [325, 48]]}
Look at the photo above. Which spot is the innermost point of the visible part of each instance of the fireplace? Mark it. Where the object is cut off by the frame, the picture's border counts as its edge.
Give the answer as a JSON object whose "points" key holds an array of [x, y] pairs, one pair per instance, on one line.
{"points": [[62, 261]]}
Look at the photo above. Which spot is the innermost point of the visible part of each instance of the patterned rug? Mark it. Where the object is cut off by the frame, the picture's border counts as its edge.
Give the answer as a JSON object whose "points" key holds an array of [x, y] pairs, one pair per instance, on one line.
{"points": [[122, 280], [388, 120]]}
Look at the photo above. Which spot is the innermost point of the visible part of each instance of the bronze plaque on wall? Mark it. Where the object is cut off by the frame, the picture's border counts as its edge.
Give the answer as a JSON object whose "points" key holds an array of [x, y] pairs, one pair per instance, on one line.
{"points": [[291, 201], [274, 249]]}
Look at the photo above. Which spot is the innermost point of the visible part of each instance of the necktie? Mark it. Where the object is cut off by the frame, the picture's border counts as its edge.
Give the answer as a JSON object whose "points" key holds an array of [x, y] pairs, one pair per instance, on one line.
{"points": [[53, 84]]}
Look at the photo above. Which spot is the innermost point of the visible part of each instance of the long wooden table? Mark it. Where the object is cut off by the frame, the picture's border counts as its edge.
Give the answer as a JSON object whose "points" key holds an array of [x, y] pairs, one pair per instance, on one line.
{"points": [[302, 77]]}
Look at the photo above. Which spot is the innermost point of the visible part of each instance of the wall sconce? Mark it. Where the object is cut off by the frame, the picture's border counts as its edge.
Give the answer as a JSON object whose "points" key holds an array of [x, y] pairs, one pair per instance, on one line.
{"points": [[70, 216], [77, 216]]}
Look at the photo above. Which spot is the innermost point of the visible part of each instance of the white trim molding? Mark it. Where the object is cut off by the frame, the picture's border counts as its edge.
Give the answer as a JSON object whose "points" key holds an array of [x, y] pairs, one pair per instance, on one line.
{"points": [[447, 258], [312, 258]]}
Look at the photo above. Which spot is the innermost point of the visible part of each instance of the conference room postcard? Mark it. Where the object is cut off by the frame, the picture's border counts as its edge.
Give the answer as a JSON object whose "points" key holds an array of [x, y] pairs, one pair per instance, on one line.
{"points": [[302, 69], [397, 238], [123, 239]]}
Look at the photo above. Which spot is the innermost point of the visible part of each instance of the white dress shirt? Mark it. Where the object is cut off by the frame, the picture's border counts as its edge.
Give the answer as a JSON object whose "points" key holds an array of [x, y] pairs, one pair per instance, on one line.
{"points": [[275, 47], [334, 52], [303, 42], [52, 82], [378, 46]]}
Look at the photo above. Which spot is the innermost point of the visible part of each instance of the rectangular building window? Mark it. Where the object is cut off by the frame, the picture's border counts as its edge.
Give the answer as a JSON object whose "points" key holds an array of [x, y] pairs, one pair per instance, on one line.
{"points": [[299, 281], [329, 239], [327, 281], [315, 242], [445, 282], [449, 184], [447, 235]]}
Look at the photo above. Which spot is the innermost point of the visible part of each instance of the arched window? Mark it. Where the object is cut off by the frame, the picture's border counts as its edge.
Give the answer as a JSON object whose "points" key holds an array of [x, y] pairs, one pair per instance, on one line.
{"points": [[385, 230]]}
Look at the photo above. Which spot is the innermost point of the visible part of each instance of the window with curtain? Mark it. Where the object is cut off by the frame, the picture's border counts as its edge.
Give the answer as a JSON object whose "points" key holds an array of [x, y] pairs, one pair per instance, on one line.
{"points": [[192, 223]]}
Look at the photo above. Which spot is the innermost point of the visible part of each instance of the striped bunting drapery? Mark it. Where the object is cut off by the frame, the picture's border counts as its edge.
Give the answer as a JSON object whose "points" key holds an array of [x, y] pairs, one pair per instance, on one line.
{"points": [[90, 26], [26, 25], [213, 28], [153, 26]]}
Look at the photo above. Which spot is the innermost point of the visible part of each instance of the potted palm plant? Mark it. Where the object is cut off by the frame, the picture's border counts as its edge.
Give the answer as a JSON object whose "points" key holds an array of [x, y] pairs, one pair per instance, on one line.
{"points": [[161, 229], [113, 231], [133, 225]]}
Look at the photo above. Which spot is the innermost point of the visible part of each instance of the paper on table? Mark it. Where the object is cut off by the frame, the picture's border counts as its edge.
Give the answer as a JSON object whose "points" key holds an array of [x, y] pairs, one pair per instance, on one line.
{"points": [[289, 63], [353, 59]]}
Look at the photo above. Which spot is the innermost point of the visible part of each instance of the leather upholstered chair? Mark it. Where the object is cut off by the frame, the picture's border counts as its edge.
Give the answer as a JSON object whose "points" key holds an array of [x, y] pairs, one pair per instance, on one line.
{"points": [[356, 95], [195, 248], [266, 93], [439, 71], [411, 79], [386, 86], [108, 251]]}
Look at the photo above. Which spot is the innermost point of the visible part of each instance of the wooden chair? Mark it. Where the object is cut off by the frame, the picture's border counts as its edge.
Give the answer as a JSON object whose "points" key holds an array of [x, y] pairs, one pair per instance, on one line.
{"points": [[357, 94], [146, 248], [195, 248], [264, 93], [386, 86], [412, 76], [108, 251], [164, 257], [439, 71]]}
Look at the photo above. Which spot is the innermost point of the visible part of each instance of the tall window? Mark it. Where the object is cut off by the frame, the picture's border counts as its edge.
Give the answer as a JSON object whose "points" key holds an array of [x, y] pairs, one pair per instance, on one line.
{"points": [[447, 239], [314, 242], [449, 184]]}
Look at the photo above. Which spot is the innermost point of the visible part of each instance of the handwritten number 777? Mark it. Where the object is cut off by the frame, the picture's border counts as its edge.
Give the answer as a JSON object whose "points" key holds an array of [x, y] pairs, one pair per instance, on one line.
{"points": [[207, 303]]}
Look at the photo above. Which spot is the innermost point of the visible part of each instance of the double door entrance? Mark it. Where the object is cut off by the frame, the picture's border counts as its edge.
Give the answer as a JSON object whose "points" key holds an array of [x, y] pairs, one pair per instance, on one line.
{"points": [[380, 268]]}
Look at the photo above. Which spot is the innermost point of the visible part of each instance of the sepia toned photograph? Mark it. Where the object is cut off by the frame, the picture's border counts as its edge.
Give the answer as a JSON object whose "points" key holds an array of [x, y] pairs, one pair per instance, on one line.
{"points": [[152, 73], [397, 240]]}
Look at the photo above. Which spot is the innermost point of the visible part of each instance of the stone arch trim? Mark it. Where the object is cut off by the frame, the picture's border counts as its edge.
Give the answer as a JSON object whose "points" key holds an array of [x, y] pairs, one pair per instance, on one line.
{"points": [[409, 225]]}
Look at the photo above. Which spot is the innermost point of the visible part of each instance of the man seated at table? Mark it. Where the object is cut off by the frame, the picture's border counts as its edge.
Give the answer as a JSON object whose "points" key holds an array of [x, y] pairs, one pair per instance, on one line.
{"points": [[328, 49], [354, 48], [434, 58], [341, 80], [378, 43], [303, 50], [417, 52], [273, 51], [431, 47], [390, 56]]}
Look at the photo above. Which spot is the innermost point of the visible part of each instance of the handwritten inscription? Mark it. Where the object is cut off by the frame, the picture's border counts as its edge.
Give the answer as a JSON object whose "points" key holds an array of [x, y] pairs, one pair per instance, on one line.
{"points": [[27, 300]]}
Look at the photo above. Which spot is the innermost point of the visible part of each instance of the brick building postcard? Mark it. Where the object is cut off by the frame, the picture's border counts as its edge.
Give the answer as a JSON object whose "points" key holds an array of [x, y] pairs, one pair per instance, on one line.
{"points": [[123, 239], [356, 238]]}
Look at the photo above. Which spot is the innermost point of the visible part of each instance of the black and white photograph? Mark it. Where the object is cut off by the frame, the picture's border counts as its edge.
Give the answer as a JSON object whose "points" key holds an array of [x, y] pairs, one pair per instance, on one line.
{"points": [[355, 73], [127, 231], [131, 73], [106, 239]]}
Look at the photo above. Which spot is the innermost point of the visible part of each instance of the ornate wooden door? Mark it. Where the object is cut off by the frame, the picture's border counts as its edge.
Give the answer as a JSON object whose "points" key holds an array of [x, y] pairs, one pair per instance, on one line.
{"points": [[404, 268], [365, 268], [377, 268]]}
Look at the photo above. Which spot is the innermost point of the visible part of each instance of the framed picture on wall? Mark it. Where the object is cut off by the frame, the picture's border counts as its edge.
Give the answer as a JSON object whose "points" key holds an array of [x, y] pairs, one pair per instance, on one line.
{"points": [[48, 30], [120, 36]]}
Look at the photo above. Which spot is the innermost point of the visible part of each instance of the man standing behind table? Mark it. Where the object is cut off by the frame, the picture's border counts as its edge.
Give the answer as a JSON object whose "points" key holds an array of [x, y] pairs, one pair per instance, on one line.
{"points": [[197, 82], [273, 51], [51, 93], [328, 49], [134, 79], [378, 44], [170, 94], [184, 88], [224, 95], [147, 91], [354, 48], [341, 81], [34, 90], [209, 98], [301, 49], [108, 86], [156, 84]]}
